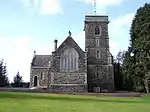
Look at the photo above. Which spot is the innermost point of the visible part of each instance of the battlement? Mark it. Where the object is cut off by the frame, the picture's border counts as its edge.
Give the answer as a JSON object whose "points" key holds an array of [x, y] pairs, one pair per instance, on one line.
{"points": [[96, 18]]}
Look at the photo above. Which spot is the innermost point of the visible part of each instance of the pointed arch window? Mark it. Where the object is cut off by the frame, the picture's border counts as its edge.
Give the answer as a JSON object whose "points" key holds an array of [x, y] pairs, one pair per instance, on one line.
{"points": [[97, 74], [35, 81], [97, 42], [98, 54], [69, 59], [97, 30]]}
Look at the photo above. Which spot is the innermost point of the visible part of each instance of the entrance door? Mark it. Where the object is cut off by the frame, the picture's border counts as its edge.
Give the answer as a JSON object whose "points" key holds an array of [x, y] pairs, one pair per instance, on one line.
{"points": [[35, 81], [97, 89]]}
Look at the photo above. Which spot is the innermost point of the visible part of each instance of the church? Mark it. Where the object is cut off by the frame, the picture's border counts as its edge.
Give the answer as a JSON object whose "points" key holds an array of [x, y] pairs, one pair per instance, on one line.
{"points": [[72, 69]]}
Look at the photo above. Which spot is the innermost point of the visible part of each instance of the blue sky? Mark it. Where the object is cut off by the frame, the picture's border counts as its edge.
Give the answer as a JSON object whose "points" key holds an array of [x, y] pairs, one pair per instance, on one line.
{"points": [[28, 25]]}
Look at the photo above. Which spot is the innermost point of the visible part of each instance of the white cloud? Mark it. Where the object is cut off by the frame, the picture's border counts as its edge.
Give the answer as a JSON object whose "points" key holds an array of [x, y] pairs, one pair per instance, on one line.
{"points": [[80, 39], [119, 32], [44, 6], [114, 47], [51, 7], [17, 52], [124, 20], [101, 5]]}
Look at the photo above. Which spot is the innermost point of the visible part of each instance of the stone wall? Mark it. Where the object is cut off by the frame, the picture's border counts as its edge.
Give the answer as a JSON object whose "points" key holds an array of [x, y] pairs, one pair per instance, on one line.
{"points": [[99, 73], [68, 82], [69, 78], [81, 62], [90, 41], [37, 72], [101, 76], [69, 43], [98, 18], [68, 88]]}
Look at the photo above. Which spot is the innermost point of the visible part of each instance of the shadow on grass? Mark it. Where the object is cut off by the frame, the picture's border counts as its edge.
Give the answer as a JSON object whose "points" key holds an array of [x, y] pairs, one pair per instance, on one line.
{"points": [[16, 96]]}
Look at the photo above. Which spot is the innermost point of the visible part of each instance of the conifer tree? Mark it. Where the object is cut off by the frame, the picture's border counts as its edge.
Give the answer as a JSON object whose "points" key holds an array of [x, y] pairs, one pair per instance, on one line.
{"points": [[18, 82], [3, 74], [140, 45]]}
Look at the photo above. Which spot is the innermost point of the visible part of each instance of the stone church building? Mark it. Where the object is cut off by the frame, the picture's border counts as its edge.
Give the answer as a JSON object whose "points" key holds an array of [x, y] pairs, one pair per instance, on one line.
{"points": [[71, 69]]}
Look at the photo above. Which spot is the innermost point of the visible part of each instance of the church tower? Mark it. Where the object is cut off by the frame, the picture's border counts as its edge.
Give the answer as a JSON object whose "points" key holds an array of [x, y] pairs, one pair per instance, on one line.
{"points": [[96, 37], [100, 68]]}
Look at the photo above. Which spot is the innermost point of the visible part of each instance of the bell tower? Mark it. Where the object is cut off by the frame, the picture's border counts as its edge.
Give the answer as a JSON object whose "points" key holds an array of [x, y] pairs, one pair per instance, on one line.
{"points": [[96, 37], [99, 58]]}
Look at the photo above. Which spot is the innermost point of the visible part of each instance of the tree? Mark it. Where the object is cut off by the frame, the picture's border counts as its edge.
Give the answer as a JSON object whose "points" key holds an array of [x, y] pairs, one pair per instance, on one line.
{"points": [[128, 71], [18, 82], [3, 74], [140, 45], [123, 72], [120, 57], [118, 78]]}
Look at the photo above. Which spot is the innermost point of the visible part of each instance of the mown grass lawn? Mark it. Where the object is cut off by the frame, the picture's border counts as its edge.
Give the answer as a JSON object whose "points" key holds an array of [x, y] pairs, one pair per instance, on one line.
{"points": [[42, 102]]}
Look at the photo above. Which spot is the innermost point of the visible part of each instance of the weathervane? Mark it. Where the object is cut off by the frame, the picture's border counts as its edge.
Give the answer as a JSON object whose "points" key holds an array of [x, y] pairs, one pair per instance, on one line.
{"points": [[95, 6]]}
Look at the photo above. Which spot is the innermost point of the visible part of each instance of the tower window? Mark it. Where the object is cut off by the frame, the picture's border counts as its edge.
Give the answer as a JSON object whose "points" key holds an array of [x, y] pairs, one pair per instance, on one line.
{"points": [[98, 54], [97, 75], [97, 42], [97, 30]]}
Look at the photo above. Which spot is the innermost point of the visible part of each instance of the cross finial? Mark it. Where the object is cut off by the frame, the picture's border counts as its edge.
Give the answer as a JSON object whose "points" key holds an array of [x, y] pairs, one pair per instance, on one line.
{"points": [[69, 33], [95, 6]]}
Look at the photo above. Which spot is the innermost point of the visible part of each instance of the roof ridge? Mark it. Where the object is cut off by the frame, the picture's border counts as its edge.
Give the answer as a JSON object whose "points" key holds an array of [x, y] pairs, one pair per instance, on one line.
{"points": [[42, 55]]}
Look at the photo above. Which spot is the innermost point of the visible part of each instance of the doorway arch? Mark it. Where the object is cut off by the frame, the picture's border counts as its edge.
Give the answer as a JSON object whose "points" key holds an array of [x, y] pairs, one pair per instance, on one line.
{"points": [[35, 81]]}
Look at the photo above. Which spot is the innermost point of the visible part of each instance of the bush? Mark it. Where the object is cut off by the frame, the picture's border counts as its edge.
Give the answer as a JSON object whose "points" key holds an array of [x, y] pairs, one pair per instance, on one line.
{"points": [[139, 89]]}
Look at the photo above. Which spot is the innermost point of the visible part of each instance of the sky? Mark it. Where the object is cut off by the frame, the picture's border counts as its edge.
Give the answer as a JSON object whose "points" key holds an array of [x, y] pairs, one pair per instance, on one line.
{"points": [[28, 25]]}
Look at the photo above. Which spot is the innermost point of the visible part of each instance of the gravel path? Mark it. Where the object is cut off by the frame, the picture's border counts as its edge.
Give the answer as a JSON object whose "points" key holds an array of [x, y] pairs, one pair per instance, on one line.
{"points": [[115, 94]]}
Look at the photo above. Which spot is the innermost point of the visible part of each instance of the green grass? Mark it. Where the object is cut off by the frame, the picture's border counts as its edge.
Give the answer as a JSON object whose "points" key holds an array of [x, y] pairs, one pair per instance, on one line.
{"points": [[42, 102]]}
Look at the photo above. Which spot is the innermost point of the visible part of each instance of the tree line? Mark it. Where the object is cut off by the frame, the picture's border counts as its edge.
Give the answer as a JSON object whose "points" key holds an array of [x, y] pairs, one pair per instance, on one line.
{"points": [[4, 81], [132, 69]]}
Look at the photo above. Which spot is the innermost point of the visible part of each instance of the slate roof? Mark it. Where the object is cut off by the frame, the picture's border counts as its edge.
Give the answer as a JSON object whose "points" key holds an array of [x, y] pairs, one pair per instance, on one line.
{"points": [[71, 42], [41, 60]]}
